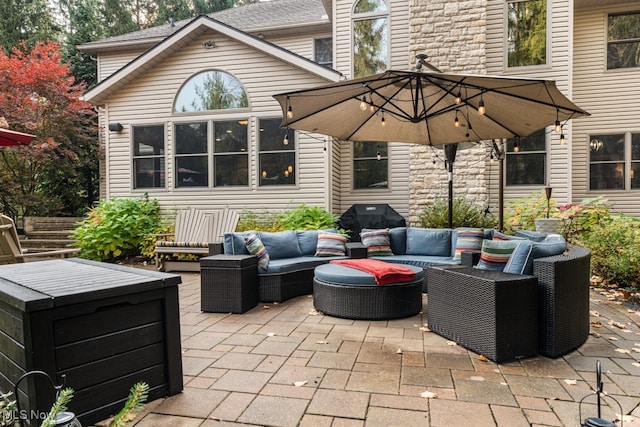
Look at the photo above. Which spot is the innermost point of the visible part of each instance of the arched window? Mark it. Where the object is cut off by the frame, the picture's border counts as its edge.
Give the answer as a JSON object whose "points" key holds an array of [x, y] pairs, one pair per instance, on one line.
{"points": [[210, 90], [370, 37]]}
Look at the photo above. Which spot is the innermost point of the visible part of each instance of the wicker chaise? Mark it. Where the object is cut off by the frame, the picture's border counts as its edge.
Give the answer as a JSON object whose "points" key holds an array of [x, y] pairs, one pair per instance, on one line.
{"points": [[563, 290]]}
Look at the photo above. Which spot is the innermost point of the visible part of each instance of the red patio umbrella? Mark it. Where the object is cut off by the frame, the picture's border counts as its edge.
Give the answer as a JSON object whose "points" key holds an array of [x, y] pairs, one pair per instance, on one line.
{"points": [[10, 137]]}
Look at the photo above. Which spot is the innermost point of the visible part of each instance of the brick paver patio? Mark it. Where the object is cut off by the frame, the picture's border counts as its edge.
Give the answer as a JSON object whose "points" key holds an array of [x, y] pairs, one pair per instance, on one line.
{"points": [[287, 365]]}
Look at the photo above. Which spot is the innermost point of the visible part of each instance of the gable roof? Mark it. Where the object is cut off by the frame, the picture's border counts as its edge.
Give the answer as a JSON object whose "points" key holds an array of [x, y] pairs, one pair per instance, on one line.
{"points": [[275, 17], [100, 93]]}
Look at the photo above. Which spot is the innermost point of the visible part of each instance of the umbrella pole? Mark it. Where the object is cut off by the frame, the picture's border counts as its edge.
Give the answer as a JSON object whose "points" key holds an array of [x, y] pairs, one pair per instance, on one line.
{"points": [[450, 152], [501, 194]]}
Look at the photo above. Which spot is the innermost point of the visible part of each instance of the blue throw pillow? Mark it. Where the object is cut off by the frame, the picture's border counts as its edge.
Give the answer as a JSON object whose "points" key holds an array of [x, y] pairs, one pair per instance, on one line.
{"points": [[429, 241], [521, 261], [281, 244]]}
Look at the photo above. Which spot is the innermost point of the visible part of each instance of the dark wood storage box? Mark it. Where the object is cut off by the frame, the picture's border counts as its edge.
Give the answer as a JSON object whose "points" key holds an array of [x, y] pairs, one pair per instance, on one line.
{"points": [[104, 326], [229, 283]]}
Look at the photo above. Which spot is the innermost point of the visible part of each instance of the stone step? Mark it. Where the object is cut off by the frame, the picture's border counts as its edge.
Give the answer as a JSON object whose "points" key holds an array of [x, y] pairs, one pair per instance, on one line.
{"points": [[36, 223], [35, 245], [50, 234]]}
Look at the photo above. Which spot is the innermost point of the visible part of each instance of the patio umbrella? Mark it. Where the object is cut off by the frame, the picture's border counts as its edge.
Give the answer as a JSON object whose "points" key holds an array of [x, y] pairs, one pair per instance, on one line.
{"points": [[10, 137], [430, 108]]}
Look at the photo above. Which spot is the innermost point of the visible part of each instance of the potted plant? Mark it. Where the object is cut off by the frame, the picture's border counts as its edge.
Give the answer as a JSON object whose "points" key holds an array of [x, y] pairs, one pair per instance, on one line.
{"points": [[548, 224]]}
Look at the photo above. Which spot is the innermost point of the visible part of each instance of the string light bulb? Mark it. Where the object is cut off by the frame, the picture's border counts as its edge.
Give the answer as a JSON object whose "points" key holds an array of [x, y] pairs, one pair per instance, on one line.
{"points": [[382, 121], [285, 141], [563, 140], [456, 122], [363, 102], [516, 148], [289, 112], [458, 98], [378, 156], [481, 107], [558, 128]]}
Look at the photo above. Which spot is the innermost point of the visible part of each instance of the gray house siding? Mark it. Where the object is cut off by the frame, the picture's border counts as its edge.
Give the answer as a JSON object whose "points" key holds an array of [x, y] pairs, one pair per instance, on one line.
{"points": [[611, 96]]}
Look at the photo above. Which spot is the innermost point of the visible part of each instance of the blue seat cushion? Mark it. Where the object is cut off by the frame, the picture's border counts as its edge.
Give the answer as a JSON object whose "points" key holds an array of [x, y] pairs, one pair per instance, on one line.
{"points": [[281, 244], [288, 265], [429, 241], [334, 273]]}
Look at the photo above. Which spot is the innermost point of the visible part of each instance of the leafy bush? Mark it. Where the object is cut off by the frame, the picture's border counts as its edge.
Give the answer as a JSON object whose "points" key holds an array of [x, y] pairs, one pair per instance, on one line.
{"points": [[118, 228], [615, 253], [465, 214], [302, 217]]}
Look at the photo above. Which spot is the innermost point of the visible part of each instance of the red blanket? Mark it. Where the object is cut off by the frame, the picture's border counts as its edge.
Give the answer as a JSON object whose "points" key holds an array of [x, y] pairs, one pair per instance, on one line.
{"points": [[383, 272]]}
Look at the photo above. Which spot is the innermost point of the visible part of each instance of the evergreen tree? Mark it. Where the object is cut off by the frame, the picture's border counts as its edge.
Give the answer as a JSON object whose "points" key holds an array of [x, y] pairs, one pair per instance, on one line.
{"points": [[30, 21]]}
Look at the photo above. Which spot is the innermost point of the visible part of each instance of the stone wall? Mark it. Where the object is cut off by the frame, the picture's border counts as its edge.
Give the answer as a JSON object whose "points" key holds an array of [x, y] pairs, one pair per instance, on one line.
{"points": [[453, 35]]}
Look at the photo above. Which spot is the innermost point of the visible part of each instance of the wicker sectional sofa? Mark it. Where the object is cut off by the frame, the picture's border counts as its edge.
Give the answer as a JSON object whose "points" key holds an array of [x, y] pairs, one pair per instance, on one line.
{"points": [[292, 256]]}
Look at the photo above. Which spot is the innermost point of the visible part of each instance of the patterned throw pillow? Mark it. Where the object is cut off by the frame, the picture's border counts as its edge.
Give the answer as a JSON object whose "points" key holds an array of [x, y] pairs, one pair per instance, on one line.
{"points": [[469, 239], [377, 242], [331, 244], [495, 254], [255, 247]]}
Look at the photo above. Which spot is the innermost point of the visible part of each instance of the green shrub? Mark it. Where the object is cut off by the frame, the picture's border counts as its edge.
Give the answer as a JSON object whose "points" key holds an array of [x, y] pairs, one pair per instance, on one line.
{"points": [[519, 214], [615, 252], [302, 217], [465, 214], [117, 228]]}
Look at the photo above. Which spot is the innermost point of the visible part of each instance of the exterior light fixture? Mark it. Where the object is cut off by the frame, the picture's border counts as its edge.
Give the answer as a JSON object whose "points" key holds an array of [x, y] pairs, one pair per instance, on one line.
{"points": [[363, 102], [115, 127]]}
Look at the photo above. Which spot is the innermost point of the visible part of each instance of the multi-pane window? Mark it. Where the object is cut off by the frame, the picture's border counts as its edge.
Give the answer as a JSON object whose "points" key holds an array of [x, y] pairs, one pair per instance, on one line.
{"points": [[191, 155], [148, 156], [323, 51], [370, 165], [623, 40], [230, 153], [526, 160], [614, 161], [370, 37], [526, 33], [276, 153]]}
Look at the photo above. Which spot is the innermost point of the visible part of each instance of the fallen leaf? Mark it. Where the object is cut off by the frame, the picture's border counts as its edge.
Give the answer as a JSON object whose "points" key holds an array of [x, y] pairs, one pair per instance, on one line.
{"points": [[594, 313], [399, 351], [428, 394], [476, 378], [623, 350], [266, 307], [271, 334], [314, 313], [571, 382], [596, 324], [636, 364], [322, 342], [595, 334], [612, 338], [483, 358], [637, 350], [424, 329], [299, 383], [452, 343], [617, 324]]}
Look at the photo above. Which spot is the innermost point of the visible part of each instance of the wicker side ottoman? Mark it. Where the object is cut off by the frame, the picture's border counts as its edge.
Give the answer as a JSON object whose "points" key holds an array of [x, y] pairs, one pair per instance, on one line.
{"points": [[489, 312], [353, 294], [228, 283]]}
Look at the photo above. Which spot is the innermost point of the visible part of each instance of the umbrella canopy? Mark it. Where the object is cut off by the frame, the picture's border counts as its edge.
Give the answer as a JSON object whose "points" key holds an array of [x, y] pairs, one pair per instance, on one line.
{"points": [[10, 137], [427, 108], [431, 108]]}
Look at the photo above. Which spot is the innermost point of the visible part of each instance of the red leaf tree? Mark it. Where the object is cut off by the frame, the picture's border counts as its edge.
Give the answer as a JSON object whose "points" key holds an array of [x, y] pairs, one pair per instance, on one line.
{"points": [[56, 173]]}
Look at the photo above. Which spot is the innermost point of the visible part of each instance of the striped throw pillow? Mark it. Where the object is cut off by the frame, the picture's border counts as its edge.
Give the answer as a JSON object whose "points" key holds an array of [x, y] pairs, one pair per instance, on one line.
{"points": [[377, 242], [469, 239], [331, 244], [255, 247], [495, 254]]}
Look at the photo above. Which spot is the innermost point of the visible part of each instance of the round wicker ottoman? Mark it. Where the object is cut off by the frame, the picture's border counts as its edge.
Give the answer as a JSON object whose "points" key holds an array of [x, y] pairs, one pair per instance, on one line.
{"points": [[353, 294]]}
